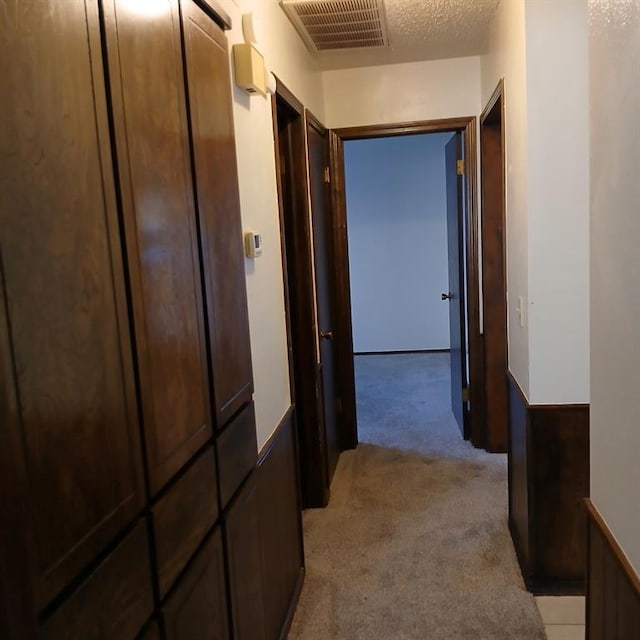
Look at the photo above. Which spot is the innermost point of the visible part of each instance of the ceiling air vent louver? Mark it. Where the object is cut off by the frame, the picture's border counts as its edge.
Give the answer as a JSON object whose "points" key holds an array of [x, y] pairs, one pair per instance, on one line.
{"points": [[338, 24]]}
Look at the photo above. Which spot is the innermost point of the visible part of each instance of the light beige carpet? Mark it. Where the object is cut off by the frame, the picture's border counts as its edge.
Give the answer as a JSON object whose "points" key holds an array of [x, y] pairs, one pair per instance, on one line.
{"points": [[414, 543]]}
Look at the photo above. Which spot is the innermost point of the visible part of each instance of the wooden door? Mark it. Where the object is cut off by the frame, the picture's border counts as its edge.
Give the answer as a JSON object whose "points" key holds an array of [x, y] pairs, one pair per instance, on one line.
{"points": [[216, 181], [152, 139], [323, 264], [69, 368], [244, 558], [456, 296], [295, 230], [197, 607]]}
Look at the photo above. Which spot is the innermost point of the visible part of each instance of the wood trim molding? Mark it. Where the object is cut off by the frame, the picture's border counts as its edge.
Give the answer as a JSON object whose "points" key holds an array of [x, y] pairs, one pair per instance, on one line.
{"points": [[404, 128], [475, 346], [284, 93], [342, 286], [613, 587], [214, 9], [493, 433], [498, 93], [315, 122], [293, 605], [548, 479]]}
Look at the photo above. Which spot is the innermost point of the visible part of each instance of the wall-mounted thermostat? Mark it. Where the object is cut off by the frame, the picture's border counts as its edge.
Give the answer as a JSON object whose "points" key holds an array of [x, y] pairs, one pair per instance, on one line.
{"points": [[252, 244]]}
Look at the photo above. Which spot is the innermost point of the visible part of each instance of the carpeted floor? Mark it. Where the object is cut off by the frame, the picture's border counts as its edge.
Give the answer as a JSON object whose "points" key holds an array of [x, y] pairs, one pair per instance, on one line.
{"points": [[414, 542]]}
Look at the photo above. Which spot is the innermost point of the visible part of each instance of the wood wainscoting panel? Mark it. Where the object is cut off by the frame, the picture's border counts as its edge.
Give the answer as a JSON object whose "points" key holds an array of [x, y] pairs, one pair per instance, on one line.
{"points": [[613, 587], [280, 528], [560, 477], [519, 514], [548, 480]]}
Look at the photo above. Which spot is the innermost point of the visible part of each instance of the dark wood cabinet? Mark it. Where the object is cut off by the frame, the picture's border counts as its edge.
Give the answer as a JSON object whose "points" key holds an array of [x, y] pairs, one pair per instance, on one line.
{"points": [[114, 601], [216, 180], [124, 333], [198, 606], [183, 516], [242, 528], [65, 295], [152, 141]]}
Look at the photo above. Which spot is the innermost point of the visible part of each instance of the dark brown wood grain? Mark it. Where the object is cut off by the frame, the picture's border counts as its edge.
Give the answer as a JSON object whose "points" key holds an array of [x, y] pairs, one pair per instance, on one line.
{"points": [[150, 122], [494, 284], [280, 526], [64, 291], [237, 452], [298, 281], [152, 632], [114, 601], [477, 418], [323, 260], [197, 608], [520, 518], [17, 599], [183, 516], [215, 9], [244, 557], [613, 587], [218, 205], [560, 477], [548, 481], [345, 369], [402, 128]]}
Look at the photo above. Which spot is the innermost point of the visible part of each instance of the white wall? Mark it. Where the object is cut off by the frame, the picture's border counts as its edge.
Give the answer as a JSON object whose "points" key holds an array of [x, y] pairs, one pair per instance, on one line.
{"points": [[540, 49], [506, 58], [402, 92], [558, 200], [287, 57], [615, 268], [397, 227]]}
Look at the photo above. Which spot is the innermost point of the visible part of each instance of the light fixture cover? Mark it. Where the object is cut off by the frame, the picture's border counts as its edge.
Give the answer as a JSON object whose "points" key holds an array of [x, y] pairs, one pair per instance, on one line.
{"points": [[249, 69]]}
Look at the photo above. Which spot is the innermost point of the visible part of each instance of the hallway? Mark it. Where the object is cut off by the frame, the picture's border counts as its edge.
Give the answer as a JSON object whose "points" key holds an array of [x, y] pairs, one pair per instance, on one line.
{"points": [[414, 543]]}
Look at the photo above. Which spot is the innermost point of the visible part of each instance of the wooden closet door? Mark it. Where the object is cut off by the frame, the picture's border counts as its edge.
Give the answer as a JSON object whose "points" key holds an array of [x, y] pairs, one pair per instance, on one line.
{"points": [[214, 153], [145, 62], [69, 361]]}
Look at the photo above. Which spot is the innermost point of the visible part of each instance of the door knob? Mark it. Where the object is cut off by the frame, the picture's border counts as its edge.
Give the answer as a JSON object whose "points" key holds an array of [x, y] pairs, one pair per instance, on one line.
{"points": [[447, 296], [328, 335]]}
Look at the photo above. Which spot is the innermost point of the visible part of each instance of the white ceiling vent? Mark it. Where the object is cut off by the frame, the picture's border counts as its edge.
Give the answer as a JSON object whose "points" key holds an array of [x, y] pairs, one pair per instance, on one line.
{"points": [[338, 24]]}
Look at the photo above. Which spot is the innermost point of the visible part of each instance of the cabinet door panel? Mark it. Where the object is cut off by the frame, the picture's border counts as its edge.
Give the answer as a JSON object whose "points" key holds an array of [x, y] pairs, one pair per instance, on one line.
{"points": [[182, 517], [215, 167], [198, 606], [114, 601], [145, 62], [244, 555], [60, 249]]}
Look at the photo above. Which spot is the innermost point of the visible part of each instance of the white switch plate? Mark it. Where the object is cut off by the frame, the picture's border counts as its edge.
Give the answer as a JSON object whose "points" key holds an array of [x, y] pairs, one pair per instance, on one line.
{"points": [[520, 310]]}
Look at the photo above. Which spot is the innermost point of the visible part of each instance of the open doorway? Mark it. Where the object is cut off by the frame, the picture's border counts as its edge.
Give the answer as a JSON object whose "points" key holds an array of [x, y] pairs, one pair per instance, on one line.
{"points": [[405, 223], [460, 292]]}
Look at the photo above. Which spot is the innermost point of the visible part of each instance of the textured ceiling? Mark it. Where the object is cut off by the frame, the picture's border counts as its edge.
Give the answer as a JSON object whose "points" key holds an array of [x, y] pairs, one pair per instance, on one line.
{"points": [[423, 30]]}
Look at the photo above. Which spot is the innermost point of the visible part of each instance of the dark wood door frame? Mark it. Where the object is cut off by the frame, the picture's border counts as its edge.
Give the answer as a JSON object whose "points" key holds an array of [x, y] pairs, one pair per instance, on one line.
{"points": [[467, 126], [494, 286], [289, 128]]}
